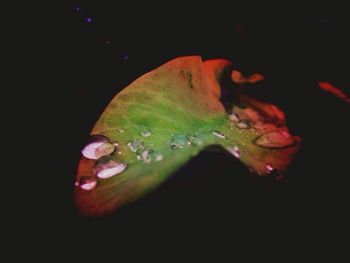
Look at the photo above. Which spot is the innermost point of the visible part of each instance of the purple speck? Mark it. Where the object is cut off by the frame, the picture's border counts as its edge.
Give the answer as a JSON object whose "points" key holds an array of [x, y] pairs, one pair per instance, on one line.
{"points": [[77, 9], [88, 19]]}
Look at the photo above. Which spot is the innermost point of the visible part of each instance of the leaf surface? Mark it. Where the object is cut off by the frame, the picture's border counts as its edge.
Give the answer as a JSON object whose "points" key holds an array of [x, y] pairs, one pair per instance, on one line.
{"points": [[165, 118]]}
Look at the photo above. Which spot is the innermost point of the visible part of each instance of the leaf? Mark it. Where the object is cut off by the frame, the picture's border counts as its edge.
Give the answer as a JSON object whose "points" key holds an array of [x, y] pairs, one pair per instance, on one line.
{"points": [[165, 118], [238, 78], [326, 86]]}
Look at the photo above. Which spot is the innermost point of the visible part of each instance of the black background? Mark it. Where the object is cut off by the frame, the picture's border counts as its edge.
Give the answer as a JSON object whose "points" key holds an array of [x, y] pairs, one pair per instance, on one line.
{"points": [[212, 206]]}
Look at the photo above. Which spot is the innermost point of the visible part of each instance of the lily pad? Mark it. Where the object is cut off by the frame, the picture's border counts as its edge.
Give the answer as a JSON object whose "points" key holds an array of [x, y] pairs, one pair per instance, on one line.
{"points": [[165, 118]]}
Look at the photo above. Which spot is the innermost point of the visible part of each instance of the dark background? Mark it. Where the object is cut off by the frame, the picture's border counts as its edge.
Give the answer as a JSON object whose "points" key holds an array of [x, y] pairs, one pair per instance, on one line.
{"points": [[212, 206]]}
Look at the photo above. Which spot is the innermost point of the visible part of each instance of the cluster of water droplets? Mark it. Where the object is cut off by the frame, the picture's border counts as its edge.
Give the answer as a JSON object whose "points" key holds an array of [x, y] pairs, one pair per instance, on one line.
{"points": [[100, 148], [143, 153], [136, 145], [273, 139]]}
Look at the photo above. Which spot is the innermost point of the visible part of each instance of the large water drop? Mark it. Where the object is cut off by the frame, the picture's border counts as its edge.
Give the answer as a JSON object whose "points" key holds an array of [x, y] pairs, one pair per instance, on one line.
{"points": [[275, 139], [109, 169], [96, 147]]}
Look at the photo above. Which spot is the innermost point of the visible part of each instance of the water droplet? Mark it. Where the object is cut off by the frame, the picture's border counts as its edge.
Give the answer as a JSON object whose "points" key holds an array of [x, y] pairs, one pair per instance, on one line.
{"points": [[194, 140], [233, 117], [269, 168], [146, 157], [243, 124], [219, 134], [97, 146], [275, 139], [109, 169], [178, 141], [159, 157], [87, 183], [235, 151], [146, 132], [135, 145]]}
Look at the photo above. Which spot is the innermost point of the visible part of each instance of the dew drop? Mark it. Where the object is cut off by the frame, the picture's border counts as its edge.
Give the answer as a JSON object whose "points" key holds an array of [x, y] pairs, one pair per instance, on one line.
{"points": [[233, 117], [235, 151], [178, 141], [275, 139], [109, 169], [194, 140], [159, 157], [146, 132], [219, 134], [243, 124], [135, 145], [97, 146], [87, 183], [146, 157], [269, 168]]}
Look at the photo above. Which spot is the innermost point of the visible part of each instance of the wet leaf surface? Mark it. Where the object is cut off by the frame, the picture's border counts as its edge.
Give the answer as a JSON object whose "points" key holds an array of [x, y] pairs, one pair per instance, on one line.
{"points": [[165, 118]]}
